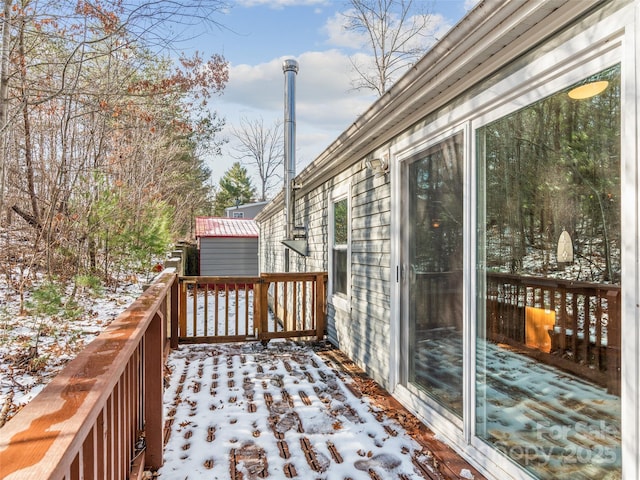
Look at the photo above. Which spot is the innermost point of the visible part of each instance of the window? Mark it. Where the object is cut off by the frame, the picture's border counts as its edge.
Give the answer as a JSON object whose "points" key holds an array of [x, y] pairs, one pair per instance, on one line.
{"points": [[238, 214], [340, 244], [340, 248], [548, 328]]}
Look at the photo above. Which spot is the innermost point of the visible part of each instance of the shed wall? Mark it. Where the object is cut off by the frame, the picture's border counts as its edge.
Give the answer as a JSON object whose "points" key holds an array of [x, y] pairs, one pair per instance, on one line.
{"points": [[228, 256]]}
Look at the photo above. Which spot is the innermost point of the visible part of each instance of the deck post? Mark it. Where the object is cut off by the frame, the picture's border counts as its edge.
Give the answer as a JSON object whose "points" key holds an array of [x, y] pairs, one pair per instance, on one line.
{"points": [[320, 306], [182, 309], [174, 313], [264, 311], [257, 324], [153, 393]]}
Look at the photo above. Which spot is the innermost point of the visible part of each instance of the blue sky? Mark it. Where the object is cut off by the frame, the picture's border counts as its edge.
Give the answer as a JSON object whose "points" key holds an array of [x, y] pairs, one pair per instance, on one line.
{"points": [[257, 35]]}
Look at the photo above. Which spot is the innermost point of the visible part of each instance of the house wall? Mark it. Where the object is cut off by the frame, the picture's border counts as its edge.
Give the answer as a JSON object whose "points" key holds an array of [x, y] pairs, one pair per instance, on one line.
{"points": [[517, 69], [362, 330], [249, 211], [228, 256]]}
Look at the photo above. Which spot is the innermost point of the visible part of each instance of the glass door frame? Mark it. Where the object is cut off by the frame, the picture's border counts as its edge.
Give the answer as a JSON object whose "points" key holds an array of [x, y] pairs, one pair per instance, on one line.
{"points": [[443, 419]]}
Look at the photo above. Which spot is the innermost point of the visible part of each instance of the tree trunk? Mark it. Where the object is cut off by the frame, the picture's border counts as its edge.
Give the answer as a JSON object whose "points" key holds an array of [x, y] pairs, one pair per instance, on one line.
{"points": [[27, 127], [4, 100]]}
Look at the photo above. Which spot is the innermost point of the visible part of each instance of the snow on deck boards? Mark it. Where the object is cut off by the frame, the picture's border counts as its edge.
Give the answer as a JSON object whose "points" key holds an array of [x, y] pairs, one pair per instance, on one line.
{"points": [[249, 411]]}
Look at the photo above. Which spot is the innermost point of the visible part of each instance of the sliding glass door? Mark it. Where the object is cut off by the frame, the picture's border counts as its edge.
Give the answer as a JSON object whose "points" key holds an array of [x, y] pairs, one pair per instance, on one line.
{"points": [[433, 244], [548, 365]]}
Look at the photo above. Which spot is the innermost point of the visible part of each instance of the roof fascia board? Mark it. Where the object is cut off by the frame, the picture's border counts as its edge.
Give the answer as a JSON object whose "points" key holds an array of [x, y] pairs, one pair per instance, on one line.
{"points": [[443, 74]]}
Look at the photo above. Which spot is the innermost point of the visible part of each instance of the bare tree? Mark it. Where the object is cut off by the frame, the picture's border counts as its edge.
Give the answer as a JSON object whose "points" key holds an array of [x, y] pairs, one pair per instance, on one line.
{"points": [[261, 148], [4, 80], [397, 32], [100, 137]]}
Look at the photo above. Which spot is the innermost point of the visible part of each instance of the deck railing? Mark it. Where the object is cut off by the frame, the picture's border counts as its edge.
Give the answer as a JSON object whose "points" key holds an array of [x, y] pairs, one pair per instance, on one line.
{"points": [[101, 416], [571, 325], [236, 309]]}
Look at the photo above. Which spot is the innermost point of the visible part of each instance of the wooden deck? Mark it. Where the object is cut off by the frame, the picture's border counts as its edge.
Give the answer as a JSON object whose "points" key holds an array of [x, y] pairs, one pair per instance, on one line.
{"points": [[291, 410], [102, 416]]}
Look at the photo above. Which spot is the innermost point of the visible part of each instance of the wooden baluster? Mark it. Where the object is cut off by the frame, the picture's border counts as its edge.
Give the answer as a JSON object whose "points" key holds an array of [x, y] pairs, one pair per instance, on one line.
{"points": [[226, 309], [320, 299], [597, 348], [194, 318], [246, 310], [304, 306], [285, 306], [586, 330], [206, 310], [183, 310], [264, 309], [613, 342], [237, 323], [294, 307], [562, 338], [276, 301], [153, 385], [175, 288], [216, 308]]}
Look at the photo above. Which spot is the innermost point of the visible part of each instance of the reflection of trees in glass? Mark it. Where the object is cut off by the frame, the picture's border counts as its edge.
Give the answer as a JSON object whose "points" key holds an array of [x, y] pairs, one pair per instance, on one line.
{"points": [[341, 228], [340, 240], [436, 180], [551, 166]]}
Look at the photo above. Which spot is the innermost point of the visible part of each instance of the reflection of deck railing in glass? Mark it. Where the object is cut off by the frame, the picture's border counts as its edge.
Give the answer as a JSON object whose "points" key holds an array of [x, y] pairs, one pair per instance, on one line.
{"points": [[273, 305], [580, 322], [437, 300]]}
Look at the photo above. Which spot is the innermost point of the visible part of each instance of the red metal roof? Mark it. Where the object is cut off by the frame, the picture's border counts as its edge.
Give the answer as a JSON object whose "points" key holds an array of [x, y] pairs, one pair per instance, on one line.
{"points": [[225, 227]]}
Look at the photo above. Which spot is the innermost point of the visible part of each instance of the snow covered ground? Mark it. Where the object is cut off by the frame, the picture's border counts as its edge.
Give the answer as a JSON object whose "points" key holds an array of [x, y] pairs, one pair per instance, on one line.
{"points": [[246, 409], [235, 410], [34, 348]]}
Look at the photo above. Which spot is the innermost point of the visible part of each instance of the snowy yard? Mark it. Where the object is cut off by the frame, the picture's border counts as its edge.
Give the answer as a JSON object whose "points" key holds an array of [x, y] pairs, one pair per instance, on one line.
{"points": [[34, 348]]}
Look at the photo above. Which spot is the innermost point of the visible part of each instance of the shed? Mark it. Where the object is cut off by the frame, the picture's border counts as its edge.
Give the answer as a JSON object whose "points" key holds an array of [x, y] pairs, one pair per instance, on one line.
{"points": [[227, 246]]}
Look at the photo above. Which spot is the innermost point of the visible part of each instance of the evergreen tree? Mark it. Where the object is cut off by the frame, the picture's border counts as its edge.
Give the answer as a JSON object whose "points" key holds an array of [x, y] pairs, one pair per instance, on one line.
{"points": [[235, 189]]}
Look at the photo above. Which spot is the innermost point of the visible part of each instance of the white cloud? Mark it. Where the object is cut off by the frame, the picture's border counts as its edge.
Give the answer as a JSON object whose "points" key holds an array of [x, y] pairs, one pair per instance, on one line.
{"points": [[469, 4], [339, 36], [323, 90], [325, 103], [279, 4]]}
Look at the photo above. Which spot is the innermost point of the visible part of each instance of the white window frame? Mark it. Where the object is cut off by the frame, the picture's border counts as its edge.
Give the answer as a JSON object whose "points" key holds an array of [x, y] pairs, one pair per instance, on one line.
{"points": [[339, 300], [237, 214]]}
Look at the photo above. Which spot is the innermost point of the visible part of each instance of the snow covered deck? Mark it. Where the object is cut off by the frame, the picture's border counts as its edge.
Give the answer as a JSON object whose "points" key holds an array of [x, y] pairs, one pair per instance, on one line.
{"points": [[290, 410]]}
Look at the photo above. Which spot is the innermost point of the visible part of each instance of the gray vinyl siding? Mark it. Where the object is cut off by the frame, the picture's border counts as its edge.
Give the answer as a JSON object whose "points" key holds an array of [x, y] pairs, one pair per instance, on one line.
{"points": [[368, 331], [363, 332], [228, 256], [249, 211]]}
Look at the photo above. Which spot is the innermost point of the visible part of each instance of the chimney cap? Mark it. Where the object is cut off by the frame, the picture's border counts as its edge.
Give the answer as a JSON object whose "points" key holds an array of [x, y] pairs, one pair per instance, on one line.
{"points": [[290, 65]]}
